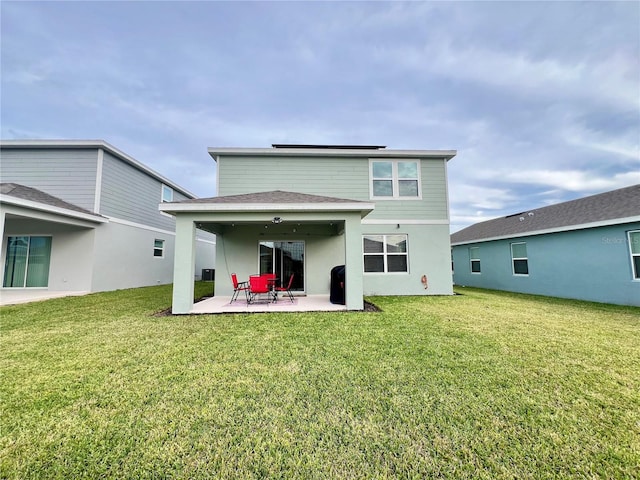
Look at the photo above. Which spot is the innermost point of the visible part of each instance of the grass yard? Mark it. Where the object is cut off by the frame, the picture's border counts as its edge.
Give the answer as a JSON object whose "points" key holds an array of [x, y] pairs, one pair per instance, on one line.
{"points": [[480, 385]]}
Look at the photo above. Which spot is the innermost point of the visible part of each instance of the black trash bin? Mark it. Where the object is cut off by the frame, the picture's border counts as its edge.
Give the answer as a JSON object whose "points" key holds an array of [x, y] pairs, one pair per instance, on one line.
{"points": [[337, 294]]}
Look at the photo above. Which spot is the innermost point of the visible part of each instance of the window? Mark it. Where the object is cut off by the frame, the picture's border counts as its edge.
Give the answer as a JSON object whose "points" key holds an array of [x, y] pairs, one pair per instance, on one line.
{"points": [[395, 179], [284, 259], [519, 258], [474, 257], [385, 253], [158, 248], [27, 262], [634, 247], [167, 194]]}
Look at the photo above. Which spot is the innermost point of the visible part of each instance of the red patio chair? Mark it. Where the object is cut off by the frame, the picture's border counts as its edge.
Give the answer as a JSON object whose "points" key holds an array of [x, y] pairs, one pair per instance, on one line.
{"points": [[258, 285], [238, 287], [271, 283], [286, 289]]}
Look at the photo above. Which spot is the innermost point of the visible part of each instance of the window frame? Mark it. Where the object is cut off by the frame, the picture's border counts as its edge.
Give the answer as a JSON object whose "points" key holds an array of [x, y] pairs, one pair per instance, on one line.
{"points": [[395, 179], [471, 260], [513, 260], [385, 254], [28, 259], [163, 189], [635, 272], [160, 249]]}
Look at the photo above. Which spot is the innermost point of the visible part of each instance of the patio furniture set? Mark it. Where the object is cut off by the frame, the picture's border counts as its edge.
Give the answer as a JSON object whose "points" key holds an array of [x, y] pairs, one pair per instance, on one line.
{"points": [[263, 287]]}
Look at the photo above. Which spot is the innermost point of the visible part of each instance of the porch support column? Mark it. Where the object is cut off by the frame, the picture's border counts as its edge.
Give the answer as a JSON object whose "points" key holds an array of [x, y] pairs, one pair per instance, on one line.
{"points": [[184, 264], [2, 220], [353, 262]]}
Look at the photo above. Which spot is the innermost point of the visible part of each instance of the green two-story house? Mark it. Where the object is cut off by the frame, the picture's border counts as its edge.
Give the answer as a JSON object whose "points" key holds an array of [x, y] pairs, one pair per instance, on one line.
{"points": [[304, 209]]}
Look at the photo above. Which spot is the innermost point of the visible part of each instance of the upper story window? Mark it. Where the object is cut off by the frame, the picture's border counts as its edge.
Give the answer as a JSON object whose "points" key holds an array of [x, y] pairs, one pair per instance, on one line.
{"points": [[519, 258], [634, 247], [395, 179], [474, 258], [167, 194]]}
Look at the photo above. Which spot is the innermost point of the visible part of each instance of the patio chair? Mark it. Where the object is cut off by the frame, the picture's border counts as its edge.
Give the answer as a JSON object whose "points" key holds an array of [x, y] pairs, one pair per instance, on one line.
{"points": [[286, 289], [238, 287], [258, 285], [271, 284]]}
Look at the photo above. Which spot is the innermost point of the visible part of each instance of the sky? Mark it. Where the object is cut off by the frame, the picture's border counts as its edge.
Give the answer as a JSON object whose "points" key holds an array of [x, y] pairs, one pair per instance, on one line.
{"points": [[541, 100]]}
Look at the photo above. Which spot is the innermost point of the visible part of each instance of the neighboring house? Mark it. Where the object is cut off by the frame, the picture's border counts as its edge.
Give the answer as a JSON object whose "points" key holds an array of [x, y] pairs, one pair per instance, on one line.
{"points": [[82, 216], [587, 249], [304, 209]]}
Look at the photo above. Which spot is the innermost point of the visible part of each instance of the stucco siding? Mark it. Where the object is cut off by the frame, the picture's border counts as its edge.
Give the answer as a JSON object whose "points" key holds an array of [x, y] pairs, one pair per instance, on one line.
{"points": [[69, 174], [428, 254], [71, 262], [591, 264], [124, 258], [132, 195]]}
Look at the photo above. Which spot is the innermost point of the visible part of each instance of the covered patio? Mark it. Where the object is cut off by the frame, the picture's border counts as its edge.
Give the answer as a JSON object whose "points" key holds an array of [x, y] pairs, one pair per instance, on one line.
{"points": [[325, 232], [309, 303]]}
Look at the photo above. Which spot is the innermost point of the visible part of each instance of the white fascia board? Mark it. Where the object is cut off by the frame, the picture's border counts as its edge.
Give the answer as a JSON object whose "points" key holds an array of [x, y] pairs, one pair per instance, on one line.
{"points": [[95, 144], [333, 152], [568, 228], [404, 222], [19, 202], [265, 207]]}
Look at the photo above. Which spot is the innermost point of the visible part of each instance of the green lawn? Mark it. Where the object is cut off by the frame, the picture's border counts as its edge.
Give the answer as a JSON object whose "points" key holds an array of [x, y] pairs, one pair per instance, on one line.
{"points": [[480, 385]]}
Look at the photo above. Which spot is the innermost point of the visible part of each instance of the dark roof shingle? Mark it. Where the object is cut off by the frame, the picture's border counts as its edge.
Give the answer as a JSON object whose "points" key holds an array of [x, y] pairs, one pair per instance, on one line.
{"points": [[34, 195], [277, 196], [621, 203]]}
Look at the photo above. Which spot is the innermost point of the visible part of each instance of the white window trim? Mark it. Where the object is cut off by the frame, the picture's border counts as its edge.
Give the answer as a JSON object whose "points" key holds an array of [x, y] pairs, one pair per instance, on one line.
{"points": [[162, 189], [394, 179], [162, 249], [513, 259], [631, 255], [385, 253], [471, 260]]}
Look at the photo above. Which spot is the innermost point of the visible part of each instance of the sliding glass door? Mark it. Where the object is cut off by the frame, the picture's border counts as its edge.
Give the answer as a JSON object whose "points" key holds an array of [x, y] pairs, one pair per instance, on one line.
{"points": [[27, 262], [284, 259]]}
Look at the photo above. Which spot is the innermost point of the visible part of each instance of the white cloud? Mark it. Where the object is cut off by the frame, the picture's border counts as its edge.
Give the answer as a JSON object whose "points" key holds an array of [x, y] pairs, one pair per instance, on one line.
{"points": [[626, 145], [475, 197], [610, 81], [567, 180]]}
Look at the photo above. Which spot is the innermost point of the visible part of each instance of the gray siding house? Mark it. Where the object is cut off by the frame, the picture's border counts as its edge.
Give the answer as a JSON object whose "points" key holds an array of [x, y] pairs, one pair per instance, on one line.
{"points": [[586, 249], [83, 216], [304, 209]]}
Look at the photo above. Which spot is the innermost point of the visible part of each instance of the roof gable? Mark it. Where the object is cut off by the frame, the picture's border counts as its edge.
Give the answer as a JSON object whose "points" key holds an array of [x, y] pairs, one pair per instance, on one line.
{"points": [[603, 207]]}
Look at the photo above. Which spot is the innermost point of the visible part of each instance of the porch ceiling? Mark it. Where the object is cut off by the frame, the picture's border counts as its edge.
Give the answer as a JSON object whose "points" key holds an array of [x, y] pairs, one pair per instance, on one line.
{"points": [[275, 226]]}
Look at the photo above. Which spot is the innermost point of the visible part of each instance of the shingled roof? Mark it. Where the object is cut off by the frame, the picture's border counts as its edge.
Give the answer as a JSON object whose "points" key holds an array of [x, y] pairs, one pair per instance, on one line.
{"points": [[276, 196], [22, 192], [609, 206]]}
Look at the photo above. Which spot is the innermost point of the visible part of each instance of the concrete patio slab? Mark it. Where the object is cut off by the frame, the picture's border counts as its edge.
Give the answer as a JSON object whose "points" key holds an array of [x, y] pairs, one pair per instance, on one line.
{"points": [[10, 296], [310, 303]]}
